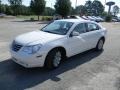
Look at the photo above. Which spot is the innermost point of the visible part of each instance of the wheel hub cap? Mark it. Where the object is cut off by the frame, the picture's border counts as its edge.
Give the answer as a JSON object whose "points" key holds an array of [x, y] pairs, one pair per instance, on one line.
{"points": [[57, 59], [100, 45]]}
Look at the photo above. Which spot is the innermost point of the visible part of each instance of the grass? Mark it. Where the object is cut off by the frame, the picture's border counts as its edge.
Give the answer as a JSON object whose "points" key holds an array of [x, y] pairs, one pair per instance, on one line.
{"points": [[27, 17], [32, 16]]}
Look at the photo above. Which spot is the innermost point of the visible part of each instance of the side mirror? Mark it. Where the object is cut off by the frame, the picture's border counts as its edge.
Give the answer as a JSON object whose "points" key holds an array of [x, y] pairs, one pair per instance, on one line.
{"points": [[74, 33]]}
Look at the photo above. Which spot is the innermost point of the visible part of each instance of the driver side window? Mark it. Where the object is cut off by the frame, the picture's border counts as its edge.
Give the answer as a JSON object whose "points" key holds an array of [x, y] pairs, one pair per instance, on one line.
{"points": [[80, 28]]}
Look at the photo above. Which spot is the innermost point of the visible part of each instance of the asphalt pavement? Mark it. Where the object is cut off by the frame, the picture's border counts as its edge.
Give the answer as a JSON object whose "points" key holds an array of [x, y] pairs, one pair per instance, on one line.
{"points": [[87, 71]]}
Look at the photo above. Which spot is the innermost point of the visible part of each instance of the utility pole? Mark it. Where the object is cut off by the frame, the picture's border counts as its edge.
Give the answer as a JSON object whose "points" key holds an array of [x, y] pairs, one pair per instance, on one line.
{"points": [[76, 4], [105, 3]]}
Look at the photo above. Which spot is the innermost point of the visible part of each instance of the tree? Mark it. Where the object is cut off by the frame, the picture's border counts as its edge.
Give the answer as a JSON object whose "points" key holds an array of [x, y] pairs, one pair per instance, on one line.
{"points": [[8, 10], [94, 8], [81, 10], [115, 10], [49, 11], [104, 14], [0, 6], [97, 8], [38, 6], [63, 7], [88, 6], [3, 8], [110, 4], [73, 11], [25, 10], [15, 6]]}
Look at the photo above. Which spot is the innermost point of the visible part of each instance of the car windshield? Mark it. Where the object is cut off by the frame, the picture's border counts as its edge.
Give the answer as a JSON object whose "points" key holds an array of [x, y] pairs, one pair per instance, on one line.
{"points": [[58, 27]]}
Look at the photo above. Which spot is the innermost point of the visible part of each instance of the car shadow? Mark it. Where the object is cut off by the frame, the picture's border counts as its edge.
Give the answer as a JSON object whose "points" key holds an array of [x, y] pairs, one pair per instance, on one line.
{"points": [[15, 77]]}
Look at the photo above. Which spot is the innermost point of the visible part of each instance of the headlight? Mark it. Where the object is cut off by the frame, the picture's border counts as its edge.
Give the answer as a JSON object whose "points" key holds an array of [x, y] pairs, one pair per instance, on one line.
{"points": [[32, 49]]}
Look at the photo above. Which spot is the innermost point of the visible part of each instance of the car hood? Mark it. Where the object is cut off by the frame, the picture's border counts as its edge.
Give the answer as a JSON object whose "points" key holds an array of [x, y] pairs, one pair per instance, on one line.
{"points": [[37, 37]]}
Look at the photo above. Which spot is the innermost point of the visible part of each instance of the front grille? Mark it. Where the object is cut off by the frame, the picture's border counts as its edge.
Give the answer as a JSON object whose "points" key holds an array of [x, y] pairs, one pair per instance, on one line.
{"points": [[16, 47]]}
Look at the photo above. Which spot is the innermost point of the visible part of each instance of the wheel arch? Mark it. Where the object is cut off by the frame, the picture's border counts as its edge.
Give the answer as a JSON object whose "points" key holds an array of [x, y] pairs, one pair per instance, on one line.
{"points": [[62, 49], [103, 38]]}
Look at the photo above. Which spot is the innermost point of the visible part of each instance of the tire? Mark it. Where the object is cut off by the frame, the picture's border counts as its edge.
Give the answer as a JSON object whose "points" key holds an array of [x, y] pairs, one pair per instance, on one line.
{"points": [[100, 44], [53, 59]]}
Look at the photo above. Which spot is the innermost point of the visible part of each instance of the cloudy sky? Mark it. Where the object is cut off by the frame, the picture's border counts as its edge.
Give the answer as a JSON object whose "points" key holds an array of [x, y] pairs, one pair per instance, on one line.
{"points": [[51, 3]]}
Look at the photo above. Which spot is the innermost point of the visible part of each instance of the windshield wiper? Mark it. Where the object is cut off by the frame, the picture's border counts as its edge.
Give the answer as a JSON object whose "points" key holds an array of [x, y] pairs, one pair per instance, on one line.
{"points": [[48, 31], [52, 32]]}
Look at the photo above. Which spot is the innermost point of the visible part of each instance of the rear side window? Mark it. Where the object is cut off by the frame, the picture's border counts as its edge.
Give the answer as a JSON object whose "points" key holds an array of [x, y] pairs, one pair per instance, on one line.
{"points": [[80, 28], [92, 27]]}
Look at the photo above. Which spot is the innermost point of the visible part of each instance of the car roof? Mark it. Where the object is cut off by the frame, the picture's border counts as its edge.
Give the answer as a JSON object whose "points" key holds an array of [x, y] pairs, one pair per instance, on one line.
{"points": [[75, 20]]}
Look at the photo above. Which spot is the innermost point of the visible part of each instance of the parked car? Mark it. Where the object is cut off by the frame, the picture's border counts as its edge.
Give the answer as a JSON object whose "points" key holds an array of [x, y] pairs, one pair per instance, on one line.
{"points": [[97, 19], [119, 19], [57, 17], [91, 18], [85, 17], [56, 41], [100, 18], [2, 14], [114, 20], [74, 17]]}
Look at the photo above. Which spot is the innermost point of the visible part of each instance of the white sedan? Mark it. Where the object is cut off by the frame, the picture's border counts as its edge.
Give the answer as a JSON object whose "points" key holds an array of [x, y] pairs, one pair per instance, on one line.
{"points": [[56, 41]]}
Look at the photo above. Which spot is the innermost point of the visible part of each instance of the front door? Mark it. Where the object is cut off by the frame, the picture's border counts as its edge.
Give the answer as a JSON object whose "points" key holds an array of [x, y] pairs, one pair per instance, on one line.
{"points": [[77, 44]]}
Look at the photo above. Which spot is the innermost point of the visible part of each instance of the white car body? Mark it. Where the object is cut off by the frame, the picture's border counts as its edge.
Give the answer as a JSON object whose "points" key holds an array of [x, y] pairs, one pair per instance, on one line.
{"points": [[72, 45]]}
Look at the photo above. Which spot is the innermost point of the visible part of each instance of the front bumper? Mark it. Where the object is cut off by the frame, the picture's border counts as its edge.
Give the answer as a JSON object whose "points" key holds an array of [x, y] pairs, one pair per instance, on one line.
{"points": [[27, 60]]}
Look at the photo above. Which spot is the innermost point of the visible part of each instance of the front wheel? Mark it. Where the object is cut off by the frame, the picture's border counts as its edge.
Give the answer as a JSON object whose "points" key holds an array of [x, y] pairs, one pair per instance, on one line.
{"points": [[53, 59], [100, 44]]}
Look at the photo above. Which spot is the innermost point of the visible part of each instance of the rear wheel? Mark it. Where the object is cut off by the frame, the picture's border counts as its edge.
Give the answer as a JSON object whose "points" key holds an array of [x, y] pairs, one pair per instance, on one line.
{"points": [[100, 44], [53, 59]]}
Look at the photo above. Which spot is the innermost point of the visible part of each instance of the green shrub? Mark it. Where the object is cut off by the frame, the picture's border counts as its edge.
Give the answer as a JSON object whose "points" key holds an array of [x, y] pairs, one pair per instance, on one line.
{"points": [[46, 18], [108, 18], [49, 19], [32, 19], [1, 16], [43, 18]]}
